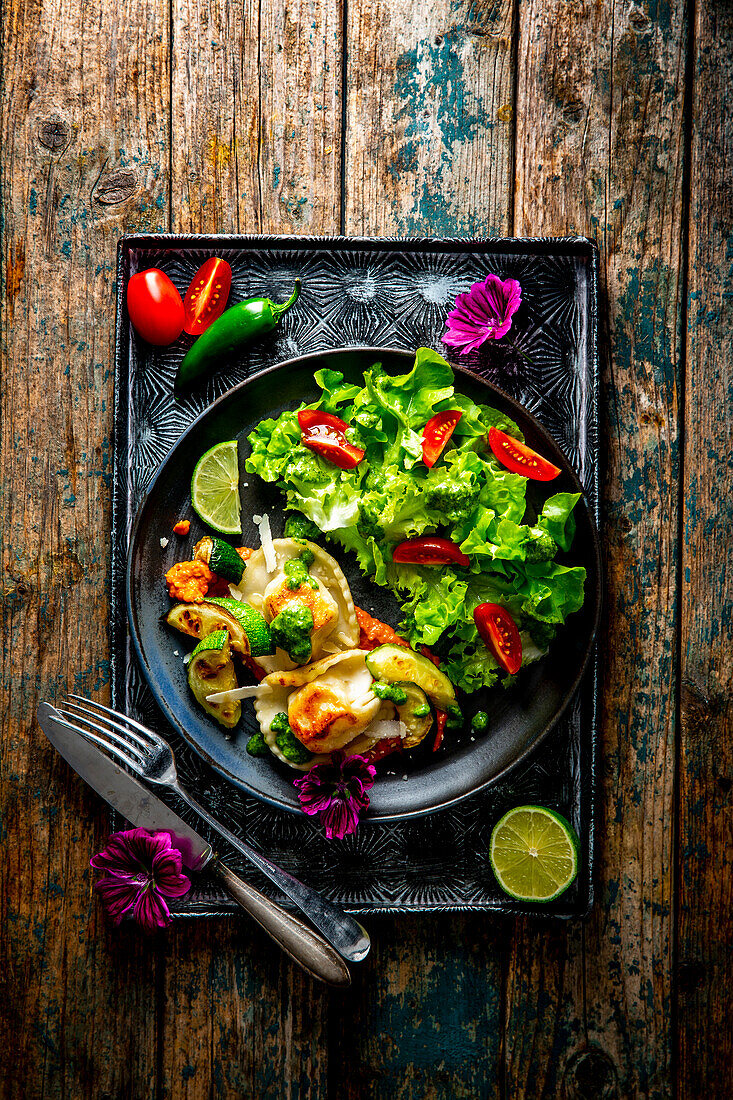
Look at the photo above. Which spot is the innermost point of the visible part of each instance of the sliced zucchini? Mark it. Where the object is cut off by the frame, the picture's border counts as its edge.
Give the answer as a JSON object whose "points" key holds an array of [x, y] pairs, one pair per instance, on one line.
{"points": [[220, 557], [248, 631], [397, 663], [415, 713], [212, 669], [252, 623]]}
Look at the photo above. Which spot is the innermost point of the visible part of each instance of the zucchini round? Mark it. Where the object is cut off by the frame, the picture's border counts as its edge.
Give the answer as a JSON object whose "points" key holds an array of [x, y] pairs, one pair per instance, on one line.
{"points": [[220, 557], [211, 669], [252, 623], [247, 629], [396, 663], [415, 713]]}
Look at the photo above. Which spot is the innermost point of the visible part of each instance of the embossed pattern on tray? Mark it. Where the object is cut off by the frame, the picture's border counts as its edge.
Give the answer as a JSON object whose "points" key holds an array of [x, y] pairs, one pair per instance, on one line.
{"points": [[392, 294]]}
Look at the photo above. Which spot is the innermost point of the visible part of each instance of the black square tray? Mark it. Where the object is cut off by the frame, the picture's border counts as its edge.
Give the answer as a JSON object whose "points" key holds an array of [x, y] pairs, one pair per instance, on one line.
{"points": [[387, 293]]}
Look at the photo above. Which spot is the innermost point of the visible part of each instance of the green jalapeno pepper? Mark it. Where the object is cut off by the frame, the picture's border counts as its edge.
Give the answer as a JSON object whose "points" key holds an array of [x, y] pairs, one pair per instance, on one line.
{"points": [[236, 327]]}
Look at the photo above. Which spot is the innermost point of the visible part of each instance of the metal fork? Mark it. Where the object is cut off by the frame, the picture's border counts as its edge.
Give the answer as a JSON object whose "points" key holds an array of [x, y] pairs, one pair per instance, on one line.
{"points": [[149, 756]]}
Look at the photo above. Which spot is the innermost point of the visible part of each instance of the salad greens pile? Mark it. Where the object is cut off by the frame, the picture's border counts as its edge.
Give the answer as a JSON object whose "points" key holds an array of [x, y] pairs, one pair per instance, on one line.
{"points": [[468, 496]]}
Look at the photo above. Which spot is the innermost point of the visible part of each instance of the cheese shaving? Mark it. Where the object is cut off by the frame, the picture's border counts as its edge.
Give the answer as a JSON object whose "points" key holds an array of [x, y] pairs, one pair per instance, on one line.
{"points": [[268, 547], [250, 691]]}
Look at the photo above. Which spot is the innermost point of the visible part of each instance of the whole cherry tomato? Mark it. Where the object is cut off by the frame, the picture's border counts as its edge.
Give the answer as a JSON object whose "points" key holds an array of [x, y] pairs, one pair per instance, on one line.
{"points": [[499, 631], [207, 295], [436, 434], [324, 434], [429, 550], [155, 307], [519, 458]]}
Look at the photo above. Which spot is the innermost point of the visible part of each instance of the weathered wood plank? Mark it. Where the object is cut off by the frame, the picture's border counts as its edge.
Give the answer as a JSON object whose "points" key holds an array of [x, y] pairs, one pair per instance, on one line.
{"points": [[429, 118], [600, 151], [239, 1019], [256, 117], [84, 156], [705, 946], [255, 148], [423, 1021], [428, 150]]}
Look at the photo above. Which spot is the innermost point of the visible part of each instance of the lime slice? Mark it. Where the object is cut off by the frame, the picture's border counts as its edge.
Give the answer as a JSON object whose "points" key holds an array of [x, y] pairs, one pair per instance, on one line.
{"points": [[215, 488], [534, 853]]}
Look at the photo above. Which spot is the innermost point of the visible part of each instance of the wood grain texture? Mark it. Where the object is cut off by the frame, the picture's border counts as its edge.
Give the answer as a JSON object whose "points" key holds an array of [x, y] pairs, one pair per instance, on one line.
{"points": [[601, 116], [423, 1020], [705, 972], [428, 148], [239, 1019], [84, 155], [428, 143], [256, 147], [256, 123]]}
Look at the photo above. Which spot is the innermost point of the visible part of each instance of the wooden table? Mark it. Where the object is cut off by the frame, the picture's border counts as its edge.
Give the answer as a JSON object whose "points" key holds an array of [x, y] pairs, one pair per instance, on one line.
{"points": [[528, 118]]}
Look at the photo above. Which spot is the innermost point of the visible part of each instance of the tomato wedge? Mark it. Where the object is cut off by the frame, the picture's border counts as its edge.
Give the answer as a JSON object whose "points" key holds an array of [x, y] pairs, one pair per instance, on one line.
{"points": [[519, 458], [206, 297], [429, 550], [155, 307], [499, 631], [310, 418], [436, 434], [324, 434]]}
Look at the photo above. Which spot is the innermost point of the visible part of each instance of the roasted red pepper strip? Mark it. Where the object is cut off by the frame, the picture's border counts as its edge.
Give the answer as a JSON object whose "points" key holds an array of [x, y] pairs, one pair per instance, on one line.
{"points": [[440, 720], [383, 748]]}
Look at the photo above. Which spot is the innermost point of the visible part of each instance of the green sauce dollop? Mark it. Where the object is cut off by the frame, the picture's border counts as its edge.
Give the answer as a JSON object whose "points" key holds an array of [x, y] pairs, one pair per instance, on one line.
{"points": [[291, 631], [389, 691]]}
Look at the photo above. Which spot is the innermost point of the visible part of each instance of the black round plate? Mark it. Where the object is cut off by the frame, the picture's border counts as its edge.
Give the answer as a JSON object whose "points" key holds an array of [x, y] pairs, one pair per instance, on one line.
{"points": [[519, 718]]}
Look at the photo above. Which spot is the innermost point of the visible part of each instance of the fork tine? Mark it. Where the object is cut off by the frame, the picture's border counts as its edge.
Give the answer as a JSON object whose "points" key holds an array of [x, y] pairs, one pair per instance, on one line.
{"points": [[146, 746], [112, 750], [152, 737], [114, 739]]}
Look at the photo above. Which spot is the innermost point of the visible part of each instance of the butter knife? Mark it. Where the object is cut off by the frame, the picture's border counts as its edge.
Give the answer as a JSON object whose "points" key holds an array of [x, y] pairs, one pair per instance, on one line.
{"points": [[136, 804]]}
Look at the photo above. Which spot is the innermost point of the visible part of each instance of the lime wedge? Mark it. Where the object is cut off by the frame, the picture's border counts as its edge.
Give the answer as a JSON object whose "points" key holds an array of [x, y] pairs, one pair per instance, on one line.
{"points": [[215, 488], [534, 853]]}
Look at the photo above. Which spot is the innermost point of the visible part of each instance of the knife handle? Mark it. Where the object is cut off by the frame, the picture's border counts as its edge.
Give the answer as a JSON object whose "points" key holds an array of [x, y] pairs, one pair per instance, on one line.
{"points": [[304, 946]]}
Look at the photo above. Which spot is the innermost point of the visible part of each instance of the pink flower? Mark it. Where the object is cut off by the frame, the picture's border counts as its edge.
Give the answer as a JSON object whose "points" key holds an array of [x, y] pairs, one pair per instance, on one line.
{"points": [[337, 792], [141, 870], [483, 313]]}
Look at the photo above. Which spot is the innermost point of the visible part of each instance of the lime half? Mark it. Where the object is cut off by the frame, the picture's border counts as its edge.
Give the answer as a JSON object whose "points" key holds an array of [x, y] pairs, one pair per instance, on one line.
{"points": [[534, 853], [215, 488]]}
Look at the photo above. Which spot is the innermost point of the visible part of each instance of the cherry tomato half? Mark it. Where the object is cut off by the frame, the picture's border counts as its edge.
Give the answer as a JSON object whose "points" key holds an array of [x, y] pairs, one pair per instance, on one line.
{"points": [[330, 442], [519, 458], [436, 434], [429, 550], [499, 631], [155, 307], [309, 418], [206, 297]]}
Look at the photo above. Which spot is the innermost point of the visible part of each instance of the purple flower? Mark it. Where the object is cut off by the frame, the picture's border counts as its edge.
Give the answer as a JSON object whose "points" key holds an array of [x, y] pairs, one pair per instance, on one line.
{"points": [[141, 870], [337, 792], [484, 313]]}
